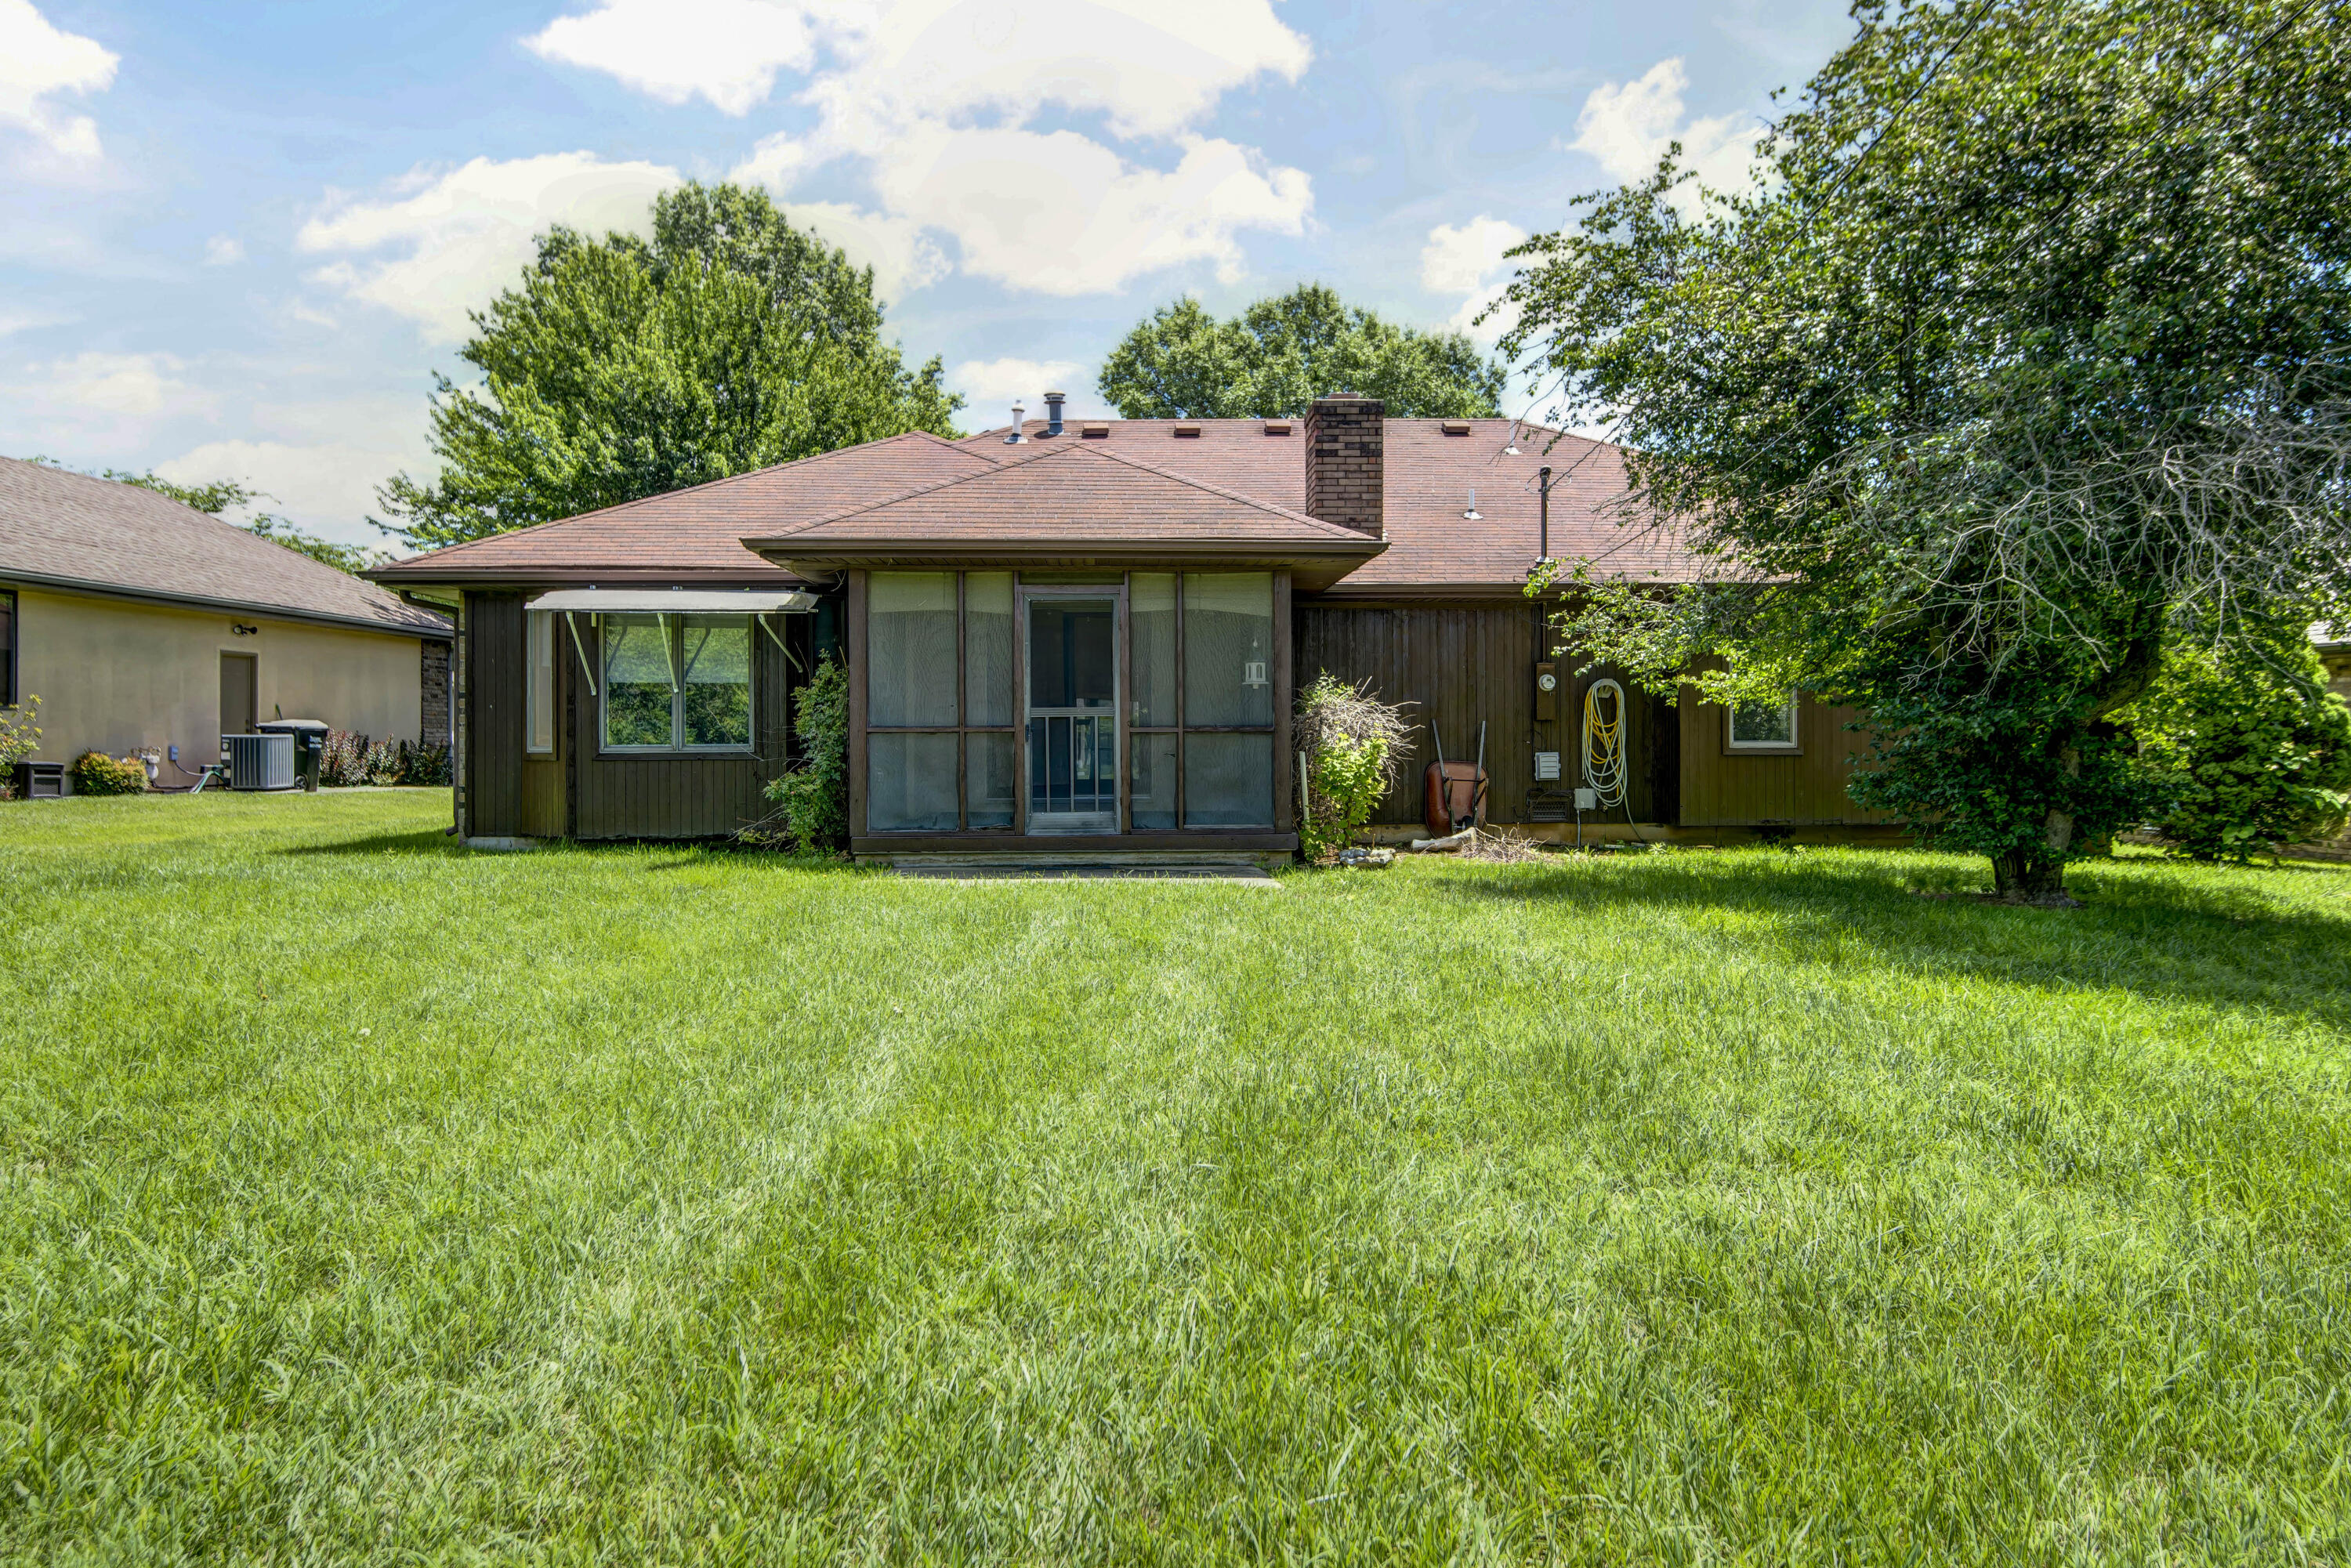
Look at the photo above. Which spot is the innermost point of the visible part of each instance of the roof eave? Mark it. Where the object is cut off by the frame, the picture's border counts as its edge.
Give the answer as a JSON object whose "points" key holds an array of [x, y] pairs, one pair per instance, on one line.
{"points": [[262, 610], [1314, 563]]}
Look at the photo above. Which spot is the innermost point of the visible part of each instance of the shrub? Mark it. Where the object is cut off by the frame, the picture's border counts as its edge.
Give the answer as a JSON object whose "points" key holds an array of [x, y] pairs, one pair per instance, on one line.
{"points": [[19, 738], [423, 764], [348, 760], [2253, 757], [814, 796], [96, 773], [1355, 745]]}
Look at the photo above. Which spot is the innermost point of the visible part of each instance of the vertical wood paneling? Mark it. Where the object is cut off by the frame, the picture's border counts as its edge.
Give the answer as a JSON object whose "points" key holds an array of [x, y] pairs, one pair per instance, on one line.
{"points": [[495, 665], [1724, 788]]}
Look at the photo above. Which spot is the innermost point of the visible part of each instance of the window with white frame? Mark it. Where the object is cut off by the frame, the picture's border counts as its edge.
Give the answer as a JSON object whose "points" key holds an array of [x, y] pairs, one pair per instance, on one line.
{"points": [[538, 705], [1764, 726], [677, 683]]}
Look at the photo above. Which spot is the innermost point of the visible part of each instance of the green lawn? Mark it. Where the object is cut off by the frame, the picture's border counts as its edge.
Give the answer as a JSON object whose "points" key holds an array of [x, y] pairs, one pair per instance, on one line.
{"points": [[368, 1200]]}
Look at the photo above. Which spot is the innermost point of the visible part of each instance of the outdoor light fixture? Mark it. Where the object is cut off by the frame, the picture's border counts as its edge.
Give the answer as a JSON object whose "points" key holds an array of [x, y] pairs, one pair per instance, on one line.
{"points": [[242, 630]]}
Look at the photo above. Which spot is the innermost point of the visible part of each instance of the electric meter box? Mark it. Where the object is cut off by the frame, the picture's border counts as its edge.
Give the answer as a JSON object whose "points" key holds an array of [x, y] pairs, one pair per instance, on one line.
{"points": [[1587, 800]]}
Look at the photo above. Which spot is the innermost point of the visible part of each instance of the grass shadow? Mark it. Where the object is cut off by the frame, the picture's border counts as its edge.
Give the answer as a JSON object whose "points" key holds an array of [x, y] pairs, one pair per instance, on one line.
{"points": [[2156, 936], [425, 842]]}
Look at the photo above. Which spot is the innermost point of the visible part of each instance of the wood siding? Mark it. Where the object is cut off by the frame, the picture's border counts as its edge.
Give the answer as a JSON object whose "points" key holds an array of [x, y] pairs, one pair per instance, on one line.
{"points": [[1721, 788], [1469, 663], [578, 793], [494, 715]]}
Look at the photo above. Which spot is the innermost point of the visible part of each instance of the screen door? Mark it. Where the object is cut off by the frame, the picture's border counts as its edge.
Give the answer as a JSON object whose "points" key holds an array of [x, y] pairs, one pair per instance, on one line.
{"points": [[1073, 714]]}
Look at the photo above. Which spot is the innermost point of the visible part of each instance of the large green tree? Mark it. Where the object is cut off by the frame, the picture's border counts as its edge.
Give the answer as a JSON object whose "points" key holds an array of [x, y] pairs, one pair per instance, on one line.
{"points": [[1282, 353], [2025, 359], [618, 367]]}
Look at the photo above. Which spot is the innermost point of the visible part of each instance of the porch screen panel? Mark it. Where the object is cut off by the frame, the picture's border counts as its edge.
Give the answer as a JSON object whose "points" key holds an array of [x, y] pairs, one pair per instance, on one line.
{"points": [[1227, 649], [1151, 626], [910, 783], [1154, 784], [715, 661], [910, 649], [987, 648], [637, 684], [991, 777], [1227, 780]]}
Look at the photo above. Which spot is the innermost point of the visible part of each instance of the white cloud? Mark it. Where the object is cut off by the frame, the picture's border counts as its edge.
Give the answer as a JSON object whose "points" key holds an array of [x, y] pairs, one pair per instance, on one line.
{"points": [[1625, 127], [37, 61], [934, 100], [901, 255], [138, 385], [991, 387], [1468, 261], [326, 487], [438, 246], [224, 250], [728, 51]]}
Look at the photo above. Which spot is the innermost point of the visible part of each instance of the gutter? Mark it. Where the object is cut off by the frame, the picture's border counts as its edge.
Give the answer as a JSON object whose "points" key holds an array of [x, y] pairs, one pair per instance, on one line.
{"points": [[226, 606]]}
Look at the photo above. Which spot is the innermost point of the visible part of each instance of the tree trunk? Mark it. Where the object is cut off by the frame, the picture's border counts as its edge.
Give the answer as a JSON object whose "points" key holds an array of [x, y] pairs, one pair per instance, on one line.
{"points": [[2028, 876]]}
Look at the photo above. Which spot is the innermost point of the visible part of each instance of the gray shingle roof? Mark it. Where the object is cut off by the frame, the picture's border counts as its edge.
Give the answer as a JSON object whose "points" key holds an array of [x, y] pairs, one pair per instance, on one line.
{"points": [[68, 529]]}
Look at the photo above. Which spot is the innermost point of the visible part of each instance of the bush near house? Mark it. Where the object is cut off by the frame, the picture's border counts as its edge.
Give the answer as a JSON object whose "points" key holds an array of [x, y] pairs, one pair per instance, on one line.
{"points": [[2255, 754], [814, 796], [96, 773], [1355, 745], [19, 738]]}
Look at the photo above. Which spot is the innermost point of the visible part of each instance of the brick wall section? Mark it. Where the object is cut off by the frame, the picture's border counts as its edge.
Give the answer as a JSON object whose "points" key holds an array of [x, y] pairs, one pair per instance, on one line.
{"points": [[434, 683], [1346, 463]]}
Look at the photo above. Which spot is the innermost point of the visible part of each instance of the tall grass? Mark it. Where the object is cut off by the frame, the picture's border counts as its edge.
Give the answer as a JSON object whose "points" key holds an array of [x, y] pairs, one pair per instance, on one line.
{"points": [[367, 1201]]}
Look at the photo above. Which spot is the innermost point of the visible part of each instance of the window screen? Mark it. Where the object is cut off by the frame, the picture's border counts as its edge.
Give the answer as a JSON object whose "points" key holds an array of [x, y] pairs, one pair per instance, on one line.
{"points": [[1228, 648], [987, 648], [910, 643], [1227, 780], [910, 783], [1150, 623]]}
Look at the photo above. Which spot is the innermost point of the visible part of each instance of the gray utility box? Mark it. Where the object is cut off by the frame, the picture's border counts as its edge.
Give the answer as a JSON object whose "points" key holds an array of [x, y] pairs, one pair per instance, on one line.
{"points": [[259, 761], [309, 746]]}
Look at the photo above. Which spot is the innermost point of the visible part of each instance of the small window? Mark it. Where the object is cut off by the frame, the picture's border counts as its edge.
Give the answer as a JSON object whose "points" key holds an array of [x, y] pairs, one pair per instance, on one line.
{"points": [[1764, 727], [677, 683], [540, 698]]}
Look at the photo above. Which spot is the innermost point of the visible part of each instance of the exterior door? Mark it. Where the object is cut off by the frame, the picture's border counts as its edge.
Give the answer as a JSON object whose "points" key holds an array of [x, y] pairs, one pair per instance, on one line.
{"points": [[238, 692], [1071, 717]]}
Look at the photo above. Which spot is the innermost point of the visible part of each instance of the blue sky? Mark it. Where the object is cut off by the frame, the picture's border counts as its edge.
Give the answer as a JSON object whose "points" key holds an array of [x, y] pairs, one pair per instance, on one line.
{"points": [[238, 239]]}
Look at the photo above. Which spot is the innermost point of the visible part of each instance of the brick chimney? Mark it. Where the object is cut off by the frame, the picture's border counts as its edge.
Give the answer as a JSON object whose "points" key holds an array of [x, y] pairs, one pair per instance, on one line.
{"points": [[1346, 462]]}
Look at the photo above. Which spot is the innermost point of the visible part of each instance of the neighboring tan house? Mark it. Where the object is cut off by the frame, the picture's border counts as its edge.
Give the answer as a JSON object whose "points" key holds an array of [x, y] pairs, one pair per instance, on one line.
{"points": [[141, 623], [1088, 638]]}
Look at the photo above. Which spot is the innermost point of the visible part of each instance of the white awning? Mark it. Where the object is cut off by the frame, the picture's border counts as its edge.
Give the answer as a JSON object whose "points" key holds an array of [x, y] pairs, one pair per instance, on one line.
{"points": [[675, 601]]}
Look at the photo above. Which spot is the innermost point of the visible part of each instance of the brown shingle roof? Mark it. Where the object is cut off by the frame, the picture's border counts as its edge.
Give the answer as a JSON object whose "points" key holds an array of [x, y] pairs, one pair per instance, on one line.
{"points": [[70, 530], [697, 534], [1074, 500], [1432, 547]]}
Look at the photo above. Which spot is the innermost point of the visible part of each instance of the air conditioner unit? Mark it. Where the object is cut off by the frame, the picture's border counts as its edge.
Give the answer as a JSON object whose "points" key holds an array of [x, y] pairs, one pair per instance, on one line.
{"points": [[259, 761]]}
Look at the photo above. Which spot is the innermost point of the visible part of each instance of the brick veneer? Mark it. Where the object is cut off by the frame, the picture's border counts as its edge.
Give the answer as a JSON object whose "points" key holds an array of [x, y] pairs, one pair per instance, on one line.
{"points": [[1346, 462], [433, 682]]}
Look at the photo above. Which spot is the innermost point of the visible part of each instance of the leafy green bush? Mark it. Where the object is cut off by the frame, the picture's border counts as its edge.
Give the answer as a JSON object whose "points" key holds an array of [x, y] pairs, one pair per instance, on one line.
{"points": [[814, 796], [2256, 755], [96, 773], [1355, 746], [19, 738], [423, 764], [348, 760]]}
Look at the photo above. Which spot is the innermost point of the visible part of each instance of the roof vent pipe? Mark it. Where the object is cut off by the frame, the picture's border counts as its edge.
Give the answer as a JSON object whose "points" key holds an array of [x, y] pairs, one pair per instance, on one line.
{"points": [[1016, 438], [1053, 401]]}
